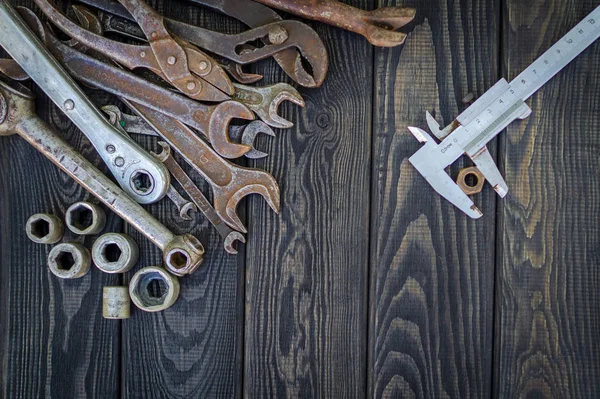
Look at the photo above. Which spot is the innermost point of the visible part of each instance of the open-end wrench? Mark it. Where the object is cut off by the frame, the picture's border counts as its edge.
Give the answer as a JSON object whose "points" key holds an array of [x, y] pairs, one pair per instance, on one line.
{"points": [[199, 77], [182, 254], [146, 180], [245, 134], [212, 120], [264, 101], [230, 183], [377, 26], [183, 206], [287, 53], [229, 236]]}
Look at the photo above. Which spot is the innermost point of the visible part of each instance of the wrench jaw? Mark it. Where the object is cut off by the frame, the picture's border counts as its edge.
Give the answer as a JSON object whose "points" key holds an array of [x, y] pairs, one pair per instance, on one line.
{"points": [[265, 101], [219, 127], [227, 207], [183, 255], [16, 103], [252, 130], [231, 239]]}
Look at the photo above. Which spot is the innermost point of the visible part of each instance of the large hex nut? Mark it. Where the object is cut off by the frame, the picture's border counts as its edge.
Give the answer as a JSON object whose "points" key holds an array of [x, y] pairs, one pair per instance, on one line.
{"points": [[69, 260], [115, 253], [84, 218], [153, 289], [115, 303], [42, 228]]}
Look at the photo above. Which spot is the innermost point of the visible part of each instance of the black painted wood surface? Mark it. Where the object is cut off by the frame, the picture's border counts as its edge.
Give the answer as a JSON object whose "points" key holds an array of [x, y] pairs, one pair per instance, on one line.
{"points": [[367, 283]]}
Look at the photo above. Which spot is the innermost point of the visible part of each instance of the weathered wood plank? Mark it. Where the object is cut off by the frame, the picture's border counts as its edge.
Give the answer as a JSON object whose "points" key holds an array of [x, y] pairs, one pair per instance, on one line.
{"points": [[307, 268], [193, 349], [548, 306], [432, 268], [54, 341]]}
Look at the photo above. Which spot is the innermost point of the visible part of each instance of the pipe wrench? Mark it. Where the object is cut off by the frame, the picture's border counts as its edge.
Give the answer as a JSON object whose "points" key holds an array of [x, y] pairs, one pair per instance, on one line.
{"points": [[146, 180], [178, 62], [377, 26], [291, 37]]}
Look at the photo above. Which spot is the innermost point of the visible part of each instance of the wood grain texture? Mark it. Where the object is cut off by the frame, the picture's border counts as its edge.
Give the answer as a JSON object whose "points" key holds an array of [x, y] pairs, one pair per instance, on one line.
{"points": [[306, 275], [53, 338], [193, 349], [432, 269], [548, 306]]}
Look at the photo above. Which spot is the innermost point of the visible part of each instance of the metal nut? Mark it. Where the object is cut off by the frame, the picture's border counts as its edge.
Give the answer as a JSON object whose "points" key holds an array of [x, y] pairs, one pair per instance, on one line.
{"points": [[477, 184], [42, 228], [115, 303], [153, 289], [69, 260], [115, 253], [84, 218]]}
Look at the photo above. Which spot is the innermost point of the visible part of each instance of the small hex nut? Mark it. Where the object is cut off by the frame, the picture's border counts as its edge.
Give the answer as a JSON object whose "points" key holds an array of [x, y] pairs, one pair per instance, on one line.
{"points": [[42, 228], [153, 289], [461, 180], [115, 253], [115, 303], [84, 218], [69, 260]]}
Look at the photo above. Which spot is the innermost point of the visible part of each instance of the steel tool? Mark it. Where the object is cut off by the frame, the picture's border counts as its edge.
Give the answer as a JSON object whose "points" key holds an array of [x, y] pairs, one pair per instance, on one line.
{"points": [[377, 26], [211, 120], [264, 101], [504, 103], [256, 16], [69, 260], [245, 134], [114, 253], [229, 236], [179, 63], [137, 172], [43, 228], [184, 206], [182, 254], [230, 183]]}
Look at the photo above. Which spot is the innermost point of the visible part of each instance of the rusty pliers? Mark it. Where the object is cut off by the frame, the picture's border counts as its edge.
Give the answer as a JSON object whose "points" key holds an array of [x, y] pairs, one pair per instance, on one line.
{"points": [[378, 26], [290, 43], [178, 62]]}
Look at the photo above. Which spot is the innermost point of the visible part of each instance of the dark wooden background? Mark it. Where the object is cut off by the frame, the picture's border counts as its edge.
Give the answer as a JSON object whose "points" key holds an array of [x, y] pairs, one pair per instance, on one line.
{"points": [[368, 283]]}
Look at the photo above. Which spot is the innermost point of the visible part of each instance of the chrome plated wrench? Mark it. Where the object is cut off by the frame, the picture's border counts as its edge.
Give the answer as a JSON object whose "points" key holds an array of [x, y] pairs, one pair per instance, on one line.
{"points": [[138, 173]]}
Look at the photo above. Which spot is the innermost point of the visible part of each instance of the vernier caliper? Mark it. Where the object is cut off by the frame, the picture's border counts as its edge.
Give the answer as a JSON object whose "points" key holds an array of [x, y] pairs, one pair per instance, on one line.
{"points": [[504, 103]]}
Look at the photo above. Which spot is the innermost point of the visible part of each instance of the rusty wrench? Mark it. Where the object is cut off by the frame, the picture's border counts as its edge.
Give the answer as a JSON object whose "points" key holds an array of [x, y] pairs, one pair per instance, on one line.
{"points": [[256, 16], [377, 26], [181, 254], [245, 134], [215, 85], [229, 236], [230, 183], [210, 120]]}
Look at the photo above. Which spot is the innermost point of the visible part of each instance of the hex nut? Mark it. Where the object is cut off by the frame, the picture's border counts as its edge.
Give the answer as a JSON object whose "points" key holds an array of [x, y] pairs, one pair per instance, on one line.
{"points": [[468, 189], [115, 303], [115, 253], [84, 218], [69, 260], [43, 228], [153, 289]]}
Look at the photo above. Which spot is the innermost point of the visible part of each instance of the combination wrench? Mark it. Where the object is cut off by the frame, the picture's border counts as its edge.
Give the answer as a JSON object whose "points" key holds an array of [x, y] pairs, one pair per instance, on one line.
{"points": [[138, 173], [181, 254]]}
